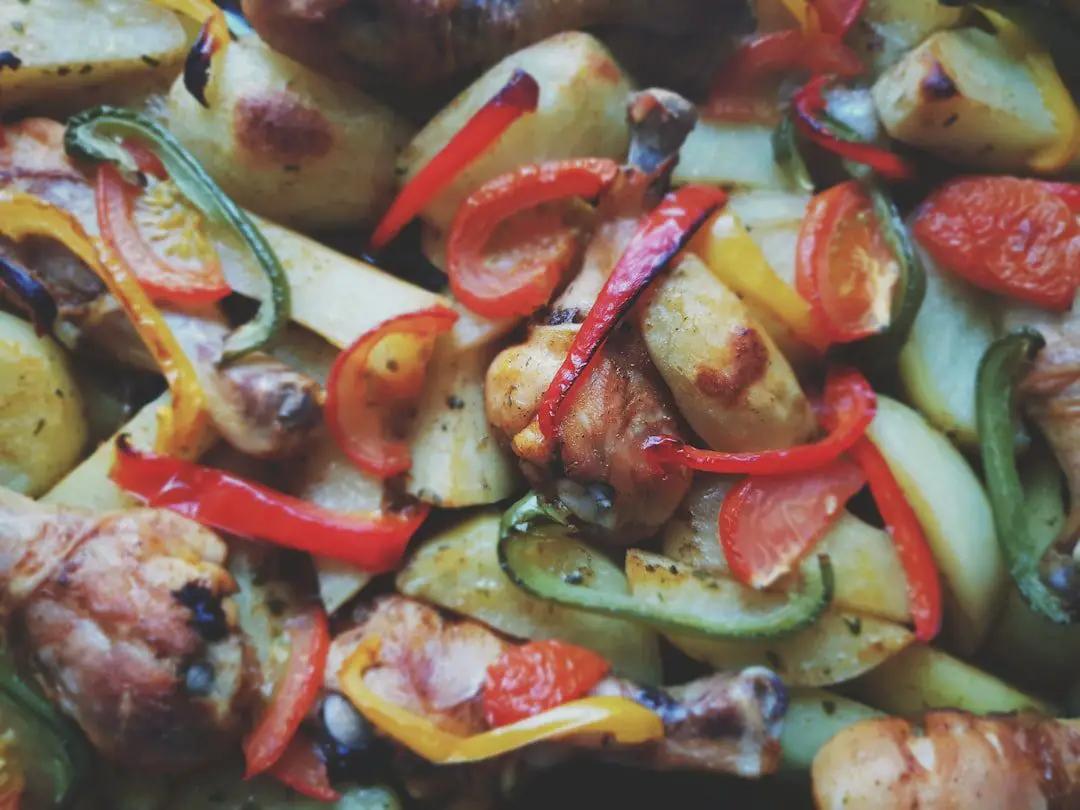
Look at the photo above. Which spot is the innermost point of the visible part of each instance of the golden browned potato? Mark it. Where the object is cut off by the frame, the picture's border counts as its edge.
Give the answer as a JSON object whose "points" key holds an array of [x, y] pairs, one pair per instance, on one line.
{"points": [[731, 383], [72, 54], [42, 428], [288, 143], [581, 113]]}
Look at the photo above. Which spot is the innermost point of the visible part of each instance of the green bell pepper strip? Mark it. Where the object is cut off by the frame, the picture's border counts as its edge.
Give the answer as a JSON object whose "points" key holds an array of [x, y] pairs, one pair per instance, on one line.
{"points": [[527, 526], [999, 373], [785, 145], [53, 752], [93, 135]]}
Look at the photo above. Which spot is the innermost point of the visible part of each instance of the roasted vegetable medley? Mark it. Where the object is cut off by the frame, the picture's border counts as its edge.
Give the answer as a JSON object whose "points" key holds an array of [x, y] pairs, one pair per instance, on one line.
{"points": [[404, 403]]}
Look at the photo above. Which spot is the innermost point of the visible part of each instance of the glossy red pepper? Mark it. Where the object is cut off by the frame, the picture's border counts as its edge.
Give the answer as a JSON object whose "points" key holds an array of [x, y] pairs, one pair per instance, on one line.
{"points": [[492, 291], [537, 676], [295, 692], [809, 104], [199, 282], [769, 523], [663, 232], [358, 397], [735, 92], [848, 396], [371, 542], [518, 96], [302, 769], [838, 16]]}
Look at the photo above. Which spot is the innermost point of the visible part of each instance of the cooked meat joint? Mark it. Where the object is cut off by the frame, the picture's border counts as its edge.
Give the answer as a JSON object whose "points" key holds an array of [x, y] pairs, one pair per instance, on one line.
{"points": [[129, 629]]}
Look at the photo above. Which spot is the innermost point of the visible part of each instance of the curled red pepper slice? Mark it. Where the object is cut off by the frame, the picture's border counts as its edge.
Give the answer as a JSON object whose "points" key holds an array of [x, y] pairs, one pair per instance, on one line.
{"points": [[848, 396], [838, 16], [663, 232], [732, 95], [518, 96], [372, 542], [809, 105], [357, 394], [486, 289], [295, 692], [302, 769]]}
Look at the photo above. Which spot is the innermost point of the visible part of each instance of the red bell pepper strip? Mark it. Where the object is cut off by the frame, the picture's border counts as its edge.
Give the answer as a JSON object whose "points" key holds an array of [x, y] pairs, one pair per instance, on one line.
{"points": [[809, 104], [301, 769], [769, 523], [520, 95], [495, 293], [734, 92], [838, 16], [1008, 235], [848, 395], [537, 676], [355, 403], [145, 160], [663, 232], [294, 694], [372, 542], [200, 283]]}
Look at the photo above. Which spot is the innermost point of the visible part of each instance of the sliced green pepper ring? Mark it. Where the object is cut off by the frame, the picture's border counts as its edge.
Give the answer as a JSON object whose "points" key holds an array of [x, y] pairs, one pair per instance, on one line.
{"points": [[93, 135], [999, 374], [533, 558]]}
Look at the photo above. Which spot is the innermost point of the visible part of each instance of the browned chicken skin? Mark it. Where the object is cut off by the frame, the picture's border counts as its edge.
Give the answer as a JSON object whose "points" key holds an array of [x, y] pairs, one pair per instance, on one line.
{"points": [[261, 406], [956, 762], [127, 626], [410, 43], [726, 723], [599, 467]]}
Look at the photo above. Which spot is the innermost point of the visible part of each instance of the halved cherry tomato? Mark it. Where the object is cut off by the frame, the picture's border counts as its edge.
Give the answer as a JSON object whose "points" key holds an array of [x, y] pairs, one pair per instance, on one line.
{"points": [[302, 769], [361, 394], [488, 289], [1008, 235], [133, 221], [768, 523], [737, 93], [294, 694], [1069, 192], [538, 676], [844, 266]]}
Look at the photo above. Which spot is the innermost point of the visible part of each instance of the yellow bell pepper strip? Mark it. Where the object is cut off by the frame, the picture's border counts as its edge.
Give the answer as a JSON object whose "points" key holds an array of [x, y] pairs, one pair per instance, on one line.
{"points": [[213, 38], [180, 428], [95, 135], [627, 722], [1055, 95], [734, 258]]}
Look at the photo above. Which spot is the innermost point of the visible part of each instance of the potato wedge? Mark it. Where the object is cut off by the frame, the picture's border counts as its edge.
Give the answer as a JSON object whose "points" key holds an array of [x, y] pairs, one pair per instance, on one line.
{"points": [[582, 113], [42, 427], [939, 363], [333, 295], [965, 97], [842, 645], [869, 577], [290, 144], [731, 382], [922, 678], [955, 514], [458, 570], [888, 29], [88, 485], [87, 51], [814, 717], [457, 461], [729, 154]]}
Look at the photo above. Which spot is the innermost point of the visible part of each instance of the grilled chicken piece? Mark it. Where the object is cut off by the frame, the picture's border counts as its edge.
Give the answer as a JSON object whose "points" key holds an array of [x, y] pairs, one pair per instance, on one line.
{"points": [[125, 620], [609, 481], [409, 43], [436, 667], [957, 761], [260, 406]]}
